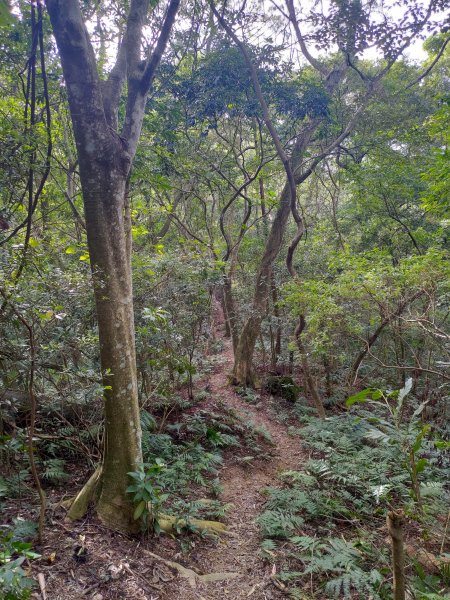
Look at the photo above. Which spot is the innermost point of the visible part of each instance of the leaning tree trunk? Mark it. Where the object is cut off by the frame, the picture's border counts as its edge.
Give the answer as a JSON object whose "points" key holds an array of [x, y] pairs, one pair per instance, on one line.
{"points": [[243, 372]]}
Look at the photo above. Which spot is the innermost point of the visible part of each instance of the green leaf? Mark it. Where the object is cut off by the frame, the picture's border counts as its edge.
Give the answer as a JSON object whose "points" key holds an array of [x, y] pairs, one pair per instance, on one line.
{"points": [[419, 438], [442, 445], [421, 464], [139, 510], [373, 393], [156, 527], [47, 316]]}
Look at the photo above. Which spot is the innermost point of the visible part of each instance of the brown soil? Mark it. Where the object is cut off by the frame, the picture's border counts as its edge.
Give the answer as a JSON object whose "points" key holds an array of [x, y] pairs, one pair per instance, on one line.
{"points": [[119, 567]]}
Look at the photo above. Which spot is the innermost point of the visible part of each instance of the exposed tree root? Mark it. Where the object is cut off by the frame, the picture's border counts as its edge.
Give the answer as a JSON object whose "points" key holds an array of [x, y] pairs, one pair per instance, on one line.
{"points": [[428, 560], [80, 504], [170, 524], [78, 507], [192, 577]]}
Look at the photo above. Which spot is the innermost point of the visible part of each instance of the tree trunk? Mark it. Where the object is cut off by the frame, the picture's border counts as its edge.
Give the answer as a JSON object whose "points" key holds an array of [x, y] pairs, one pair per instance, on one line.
{"points": [[230, 311], [104, 194], [111, 268], [276, 339], [225, 315], [309, 379], [243, 373], [395, 521]]}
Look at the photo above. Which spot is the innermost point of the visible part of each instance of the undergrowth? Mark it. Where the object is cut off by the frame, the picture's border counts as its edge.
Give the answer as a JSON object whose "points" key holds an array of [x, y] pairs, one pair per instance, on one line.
{"points": [[325, 524]]}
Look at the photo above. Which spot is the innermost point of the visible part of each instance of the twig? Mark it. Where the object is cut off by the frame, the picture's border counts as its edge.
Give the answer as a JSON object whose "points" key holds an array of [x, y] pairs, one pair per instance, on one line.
{"points": [[41, 580]]}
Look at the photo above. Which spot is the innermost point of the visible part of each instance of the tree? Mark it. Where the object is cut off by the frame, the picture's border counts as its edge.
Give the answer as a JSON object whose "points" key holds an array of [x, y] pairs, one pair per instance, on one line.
{"points": [[351, 29], [105, 152]]}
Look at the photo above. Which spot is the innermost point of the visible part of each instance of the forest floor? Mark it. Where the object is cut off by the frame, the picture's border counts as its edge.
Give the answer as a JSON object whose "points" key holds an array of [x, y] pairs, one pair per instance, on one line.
{"points": [[122, 568]]}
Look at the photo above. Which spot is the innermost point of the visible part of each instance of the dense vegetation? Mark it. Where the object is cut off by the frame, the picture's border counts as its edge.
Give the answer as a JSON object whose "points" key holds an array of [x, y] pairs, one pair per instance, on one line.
{"points": [[286, 183]]}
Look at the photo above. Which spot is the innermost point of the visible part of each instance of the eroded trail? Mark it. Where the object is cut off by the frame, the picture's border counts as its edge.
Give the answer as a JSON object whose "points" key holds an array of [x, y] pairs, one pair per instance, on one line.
{"points": [[243, 485]]}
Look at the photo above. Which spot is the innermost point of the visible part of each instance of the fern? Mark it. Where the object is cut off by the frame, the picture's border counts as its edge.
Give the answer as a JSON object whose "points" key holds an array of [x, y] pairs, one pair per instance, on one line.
{"points": [[363, 583], [54, 470], [353, 476], [279, 524], [23, 530], [14, 485]]}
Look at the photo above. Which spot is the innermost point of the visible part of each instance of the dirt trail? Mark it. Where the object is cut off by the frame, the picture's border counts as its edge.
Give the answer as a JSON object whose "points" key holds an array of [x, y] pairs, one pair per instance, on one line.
{"points": [[243, 487]]}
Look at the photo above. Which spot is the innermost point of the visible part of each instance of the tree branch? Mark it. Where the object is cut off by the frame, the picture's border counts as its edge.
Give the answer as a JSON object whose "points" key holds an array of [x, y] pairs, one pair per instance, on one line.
{"points": [[140, 77], [312, 61], [431, 67], [155, 59], [373, 338], [113, 86], [82, 80], [265, 109]]}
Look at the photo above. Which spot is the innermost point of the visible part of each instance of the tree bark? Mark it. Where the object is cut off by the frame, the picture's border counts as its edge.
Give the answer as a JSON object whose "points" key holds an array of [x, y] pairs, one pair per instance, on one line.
{"points": [[231, 317], [276, 339], [231, 312], [110, 260]]}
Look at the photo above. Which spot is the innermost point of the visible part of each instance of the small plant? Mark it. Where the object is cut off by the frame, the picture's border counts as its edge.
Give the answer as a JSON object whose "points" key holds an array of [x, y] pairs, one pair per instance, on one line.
{"points": [[54, 470], [248, 395], [343, 563], [283, 386], [407, 435], [147, 494]]}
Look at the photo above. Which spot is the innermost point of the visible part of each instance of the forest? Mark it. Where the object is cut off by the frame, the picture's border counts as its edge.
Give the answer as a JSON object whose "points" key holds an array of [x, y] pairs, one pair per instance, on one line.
{"points": [[224, 299]]}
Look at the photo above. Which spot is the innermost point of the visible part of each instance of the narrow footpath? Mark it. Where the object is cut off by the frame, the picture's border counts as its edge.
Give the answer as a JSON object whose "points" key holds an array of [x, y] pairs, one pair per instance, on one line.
{"points": [[238, 552]]}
